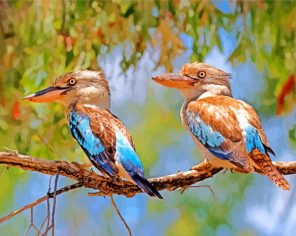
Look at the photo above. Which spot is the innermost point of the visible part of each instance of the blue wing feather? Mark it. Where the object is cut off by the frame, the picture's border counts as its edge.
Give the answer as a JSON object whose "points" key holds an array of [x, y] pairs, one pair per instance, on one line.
{"points": [[205, 134], [253, 140], [130, 161], [96, 151], [230, 129], [91, 145], [126, 155], [213, 140]]}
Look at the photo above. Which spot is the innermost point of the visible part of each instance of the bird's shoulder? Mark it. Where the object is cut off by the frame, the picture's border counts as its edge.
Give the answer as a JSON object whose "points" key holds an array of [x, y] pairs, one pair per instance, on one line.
{"points": [[229, 107], [215, 113]]}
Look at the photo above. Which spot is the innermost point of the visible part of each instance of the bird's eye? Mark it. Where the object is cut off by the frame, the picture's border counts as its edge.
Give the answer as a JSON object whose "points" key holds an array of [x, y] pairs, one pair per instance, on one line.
{"points": [[72, 82], [201, 74]]}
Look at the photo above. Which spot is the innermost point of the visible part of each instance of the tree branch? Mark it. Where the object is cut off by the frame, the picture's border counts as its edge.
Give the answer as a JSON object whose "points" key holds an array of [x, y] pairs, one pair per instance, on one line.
{"points": [[107, 186], [38, 201]]}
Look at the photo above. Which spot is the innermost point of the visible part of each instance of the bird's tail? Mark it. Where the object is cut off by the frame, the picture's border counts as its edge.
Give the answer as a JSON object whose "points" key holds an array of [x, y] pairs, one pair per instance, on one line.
{"points": [[145, 185], [264, 163]]}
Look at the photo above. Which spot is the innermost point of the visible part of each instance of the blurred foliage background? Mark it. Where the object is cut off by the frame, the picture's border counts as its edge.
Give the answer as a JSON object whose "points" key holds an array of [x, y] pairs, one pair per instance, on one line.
{"points": [[132, 41]]}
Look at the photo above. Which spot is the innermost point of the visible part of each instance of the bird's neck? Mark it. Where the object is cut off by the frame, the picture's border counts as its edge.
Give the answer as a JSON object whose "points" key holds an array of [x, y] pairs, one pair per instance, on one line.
{"points": [[101, 103], [81, 104], [206, 91], [92, 95]]}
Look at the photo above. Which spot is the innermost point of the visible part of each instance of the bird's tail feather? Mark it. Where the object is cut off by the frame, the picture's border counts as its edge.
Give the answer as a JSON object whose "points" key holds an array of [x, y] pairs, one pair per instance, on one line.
{"points": [[264, 163], [146, 186]]}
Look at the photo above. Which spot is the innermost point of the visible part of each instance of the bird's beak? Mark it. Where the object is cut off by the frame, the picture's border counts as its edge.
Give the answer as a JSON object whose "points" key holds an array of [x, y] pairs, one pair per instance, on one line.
{"points": [[174, 80], [47, 95]]}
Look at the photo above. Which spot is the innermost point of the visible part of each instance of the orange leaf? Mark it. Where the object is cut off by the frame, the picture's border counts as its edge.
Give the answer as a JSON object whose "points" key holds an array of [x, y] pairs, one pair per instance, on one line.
{"points": [[16, 110], [287, 88], [69, 41], [101, 35]]}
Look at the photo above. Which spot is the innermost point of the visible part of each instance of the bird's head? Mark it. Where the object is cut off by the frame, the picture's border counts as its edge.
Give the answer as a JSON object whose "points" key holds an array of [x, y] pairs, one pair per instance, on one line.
{"points": [[88, 87], [197, 79]]}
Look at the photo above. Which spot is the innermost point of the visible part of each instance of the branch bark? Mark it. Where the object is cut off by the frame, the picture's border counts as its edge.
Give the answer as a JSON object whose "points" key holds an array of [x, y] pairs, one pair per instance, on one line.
{"points": [[106, 186]]}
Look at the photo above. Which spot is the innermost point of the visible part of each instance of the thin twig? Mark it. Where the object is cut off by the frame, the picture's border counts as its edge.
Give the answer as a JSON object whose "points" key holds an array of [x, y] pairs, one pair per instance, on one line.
{"points": [[3, 171], [47, 218], [198, 186], [121, 217], [32, 225], [27, 231], [31, 215], [38, 201], [54, 201], [48, 147], [48, 204]]}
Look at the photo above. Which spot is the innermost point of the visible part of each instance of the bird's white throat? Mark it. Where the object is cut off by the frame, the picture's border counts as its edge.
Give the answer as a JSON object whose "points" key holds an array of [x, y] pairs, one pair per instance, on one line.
{"points": [[206, 90], [90, 96]]}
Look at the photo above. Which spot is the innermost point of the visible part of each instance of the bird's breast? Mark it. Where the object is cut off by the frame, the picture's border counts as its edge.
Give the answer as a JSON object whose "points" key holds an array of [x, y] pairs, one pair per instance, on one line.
{"points": [[183, 115]]}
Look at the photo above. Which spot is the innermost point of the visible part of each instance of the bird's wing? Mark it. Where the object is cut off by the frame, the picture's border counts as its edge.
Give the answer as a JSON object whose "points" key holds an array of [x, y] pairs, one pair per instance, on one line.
{"points": [[226, 128], [117, 123], [91, 128], [257, 145], [108, 144], [129, 160], [254, 120]]}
